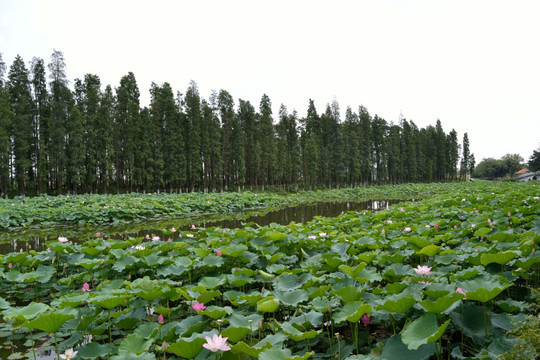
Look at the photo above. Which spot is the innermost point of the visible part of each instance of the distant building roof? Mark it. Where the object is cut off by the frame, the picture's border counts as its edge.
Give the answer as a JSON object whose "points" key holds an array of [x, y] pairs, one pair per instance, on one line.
{"points": [[522, 171]]}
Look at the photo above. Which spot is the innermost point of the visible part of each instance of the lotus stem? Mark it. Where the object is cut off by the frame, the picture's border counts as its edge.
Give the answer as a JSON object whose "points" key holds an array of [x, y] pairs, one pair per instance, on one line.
{"points": [[56, 347], [485, 321]]}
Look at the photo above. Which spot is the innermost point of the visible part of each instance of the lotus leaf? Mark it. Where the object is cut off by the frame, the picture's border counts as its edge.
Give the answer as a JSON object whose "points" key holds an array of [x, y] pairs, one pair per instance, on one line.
{"points": [[422, 331]]}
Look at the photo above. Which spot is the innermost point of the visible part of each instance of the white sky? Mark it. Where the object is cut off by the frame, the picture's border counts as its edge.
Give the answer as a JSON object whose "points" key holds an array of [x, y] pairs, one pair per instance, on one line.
{"points": [[473, 64]]}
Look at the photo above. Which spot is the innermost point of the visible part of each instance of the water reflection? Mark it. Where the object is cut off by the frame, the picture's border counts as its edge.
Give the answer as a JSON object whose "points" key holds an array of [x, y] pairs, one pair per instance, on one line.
{"points": [[35, 238]]}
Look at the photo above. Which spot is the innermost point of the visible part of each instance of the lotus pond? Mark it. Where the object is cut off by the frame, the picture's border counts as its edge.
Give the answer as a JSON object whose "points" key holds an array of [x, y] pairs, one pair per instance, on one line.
{"points": [[450, 276]]}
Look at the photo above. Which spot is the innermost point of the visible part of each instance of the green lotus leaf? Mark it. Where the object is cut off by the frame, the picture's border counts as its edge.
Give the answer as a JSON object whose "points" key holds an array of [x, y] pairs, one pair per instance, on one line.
{"points": [[400, 303], [470, 318], [526, 263], [125, 262], [252, 298], [396, 349], [352, 272], [322, 304], [481, 232], [349, 293], [366, 257], [187, 348], [351, 312], [190, 325], [366, 242], [277, 268], [4, 304], [239, 280], [501, 258], [275, 236], [235, 334], [50, 322], [296, 334], [312, 318], [422, 330], [288, 282], [235, 250], [430, 250], [419, 241], [213, 260], [270, 305], [239, 320], [292, 298], [397, 271], [441, 304], [89, 264], [508, 322], [109, 300], [252, 351], [94, 350], [511, 306], [212, 282], [277, 353], [482, 288], [25, 313], [395, 288], [135, 344], [90, 251], [368, 275], [208, 295], [216, 312]]}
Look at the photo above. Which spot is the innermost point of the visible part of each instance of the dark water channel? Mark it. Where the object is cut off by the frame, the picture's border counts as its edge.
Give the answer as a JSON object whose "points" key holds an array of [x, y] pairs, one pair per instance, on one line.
{"points": [[35, 238]]}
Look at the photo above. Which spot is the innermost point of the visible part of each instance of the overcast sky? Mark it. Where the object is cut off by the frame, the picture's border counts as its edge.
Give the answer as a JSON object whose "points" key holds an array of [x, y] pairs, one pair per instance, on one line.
{"points": [[475, 65]]}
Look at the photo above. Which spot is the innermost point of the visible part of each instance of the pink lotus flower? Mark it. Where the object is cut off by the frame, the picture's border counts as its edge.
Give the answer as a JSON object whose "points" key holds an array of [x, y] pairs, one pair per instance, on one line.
{"points": [[155, 238], [173, 229], [223, 231], [365, 319], [147, 237], [459, 290], [164, 345], [312, 237], [160, 319], [423, 270], [62, 239], [217, 342], [383, 232], [98, 234], [197, 306], [193, 227], [218, 252], [86, 287], [436, 226], [10, 265]]}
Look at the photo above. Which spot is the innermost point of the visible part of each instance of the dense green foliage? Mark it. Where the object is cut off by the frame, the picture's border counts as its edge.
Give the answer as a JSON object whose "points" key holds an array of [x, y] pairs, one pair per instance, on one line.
{"points": [[54, 140], [343, 287], [534, 160], [104, 209], [505, 167]]}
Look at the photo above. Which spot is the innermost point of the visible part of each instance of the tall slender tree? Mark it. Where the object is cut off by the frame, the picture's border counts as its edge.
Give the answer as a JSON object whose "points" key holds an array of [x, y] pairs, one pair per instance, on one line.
{"points": [[61, 102], [40, 131], [22, 109], [126, 118], [5, 131], [266, 141]]}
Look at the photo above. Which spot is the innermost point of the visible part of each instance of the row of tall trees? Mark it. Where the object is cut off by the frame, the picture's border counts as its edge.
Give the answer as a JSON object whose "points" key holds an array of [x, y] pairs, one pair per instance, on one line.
{"points": [[91, 138]]}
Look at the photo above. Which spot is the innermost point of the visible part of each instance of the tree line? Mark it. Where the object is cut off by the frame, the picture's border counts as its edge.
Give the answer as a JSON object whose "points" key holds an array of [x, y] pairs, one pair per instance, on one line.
{"points": [[95, 139]]}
